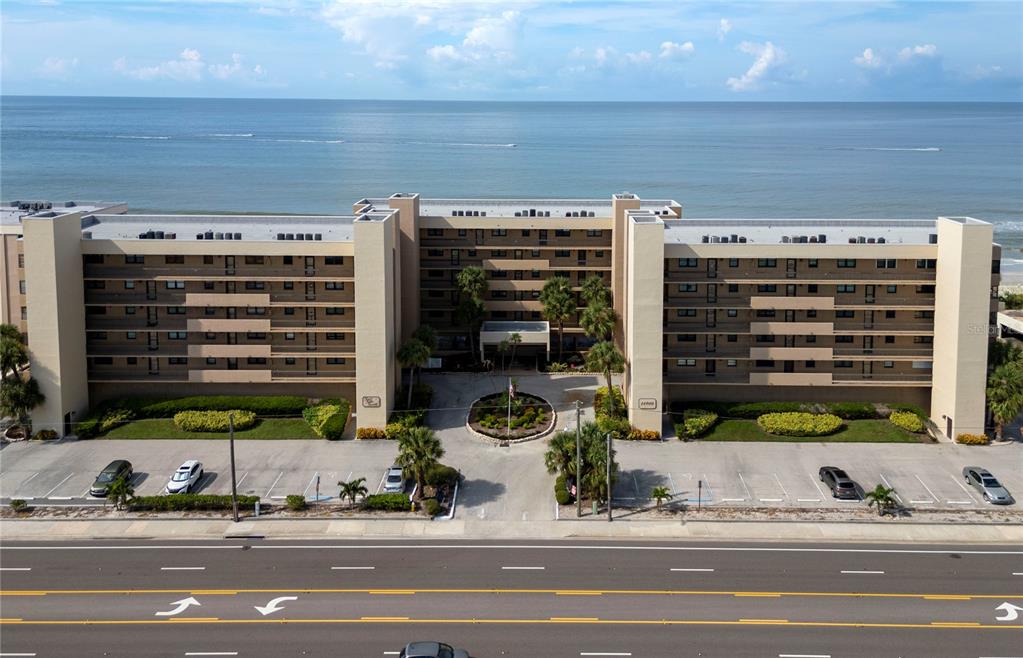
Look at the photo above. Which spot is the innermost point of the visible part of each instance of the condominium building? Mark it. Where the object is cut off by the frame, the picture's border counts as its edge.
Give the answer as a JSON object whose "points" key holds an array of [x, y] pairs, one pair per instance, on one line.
{"points": [[120, 304]]}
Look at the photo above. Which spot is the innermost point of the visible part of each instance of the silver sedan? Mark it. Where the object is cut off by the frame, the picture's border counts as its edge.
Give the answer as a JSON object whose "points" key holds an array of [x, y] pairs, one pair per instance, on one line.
{"points": [[988, 486]]}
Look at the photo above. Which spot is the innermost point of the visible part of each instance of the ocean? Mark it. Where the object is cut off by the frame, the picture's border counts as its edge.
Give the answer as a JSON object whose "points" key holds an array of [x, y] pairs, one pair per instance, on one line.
{"points": [[879, 160]]}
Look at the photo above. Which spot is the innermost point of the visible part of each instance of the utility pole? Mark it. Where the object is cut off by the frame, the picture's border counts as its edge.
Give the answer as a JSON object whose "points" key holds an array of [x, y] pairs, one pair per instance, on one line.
{"points": [[609, 477], [234, 482], [578, 460]]}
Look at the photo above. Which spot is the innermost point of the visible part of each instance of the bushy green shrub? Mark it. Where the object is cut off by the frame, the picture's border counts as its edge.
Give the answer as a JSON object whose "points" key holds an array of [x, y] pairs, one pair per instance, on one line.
{"points": [[600, 401], [636, 434], [422, 397], [115, 418], [190, 502], [262, 405], [370, 433], [557, 367], [852, 410], [620, 426], [695, 423], [413, 418], [328, 418], [18, 505], [441, 474], [388, 502], [45, 435], [394, 430], [295, 502], [561, 493], [907, 420], [431, 506], [757, 409], [213, 421], [799, 423], [87, 428], [911, 408], [973, 439]]}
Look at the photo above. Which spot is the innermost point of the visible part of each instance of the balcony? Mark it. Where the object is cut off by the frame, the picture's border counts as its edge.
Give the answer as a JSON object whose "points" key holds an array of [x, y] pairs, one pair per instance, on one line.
{"points": [[787, 303], [721, 377], [229, 376], [113, 375], [136, 323], [229, 351], [791, 353], [879, 353], [227, 325], [792, 328], [882, 379], [790, 378], [319, 377], [135, 297], [219, 272], [334, 323], [511, 264], [227, 299]]}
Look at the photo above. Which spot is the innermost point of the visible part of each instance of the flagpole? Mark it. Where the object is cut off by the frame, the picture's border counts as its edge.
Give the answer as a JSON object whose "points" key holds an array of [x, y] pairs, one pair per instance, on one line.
{"points": [[511, 392]]}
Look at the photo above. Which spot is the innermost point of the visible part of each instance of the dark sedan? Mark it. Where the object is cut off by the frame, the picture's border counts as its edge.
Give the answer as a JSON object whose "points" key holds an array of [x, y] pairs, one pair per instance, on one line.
{"points": [[115, 470]]}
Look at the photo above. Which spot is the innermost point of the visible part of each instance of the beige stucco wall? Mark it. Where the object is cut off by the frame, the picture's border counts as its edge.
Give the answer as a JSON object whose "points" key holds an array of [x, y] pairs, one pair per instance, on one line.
{"points": [[644, 280], [376, 341], [407, 295], [962, 304], [56, 317], [10, 306], [620, 205]]}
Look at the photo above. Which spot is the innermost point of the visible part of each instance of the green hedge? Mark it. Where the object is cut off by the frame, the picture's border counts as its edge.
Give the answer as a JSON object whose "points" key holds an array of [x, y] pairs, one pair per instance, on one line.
{"points": [[600, 401], [441, 474], [908, 421], [845, 410], [852, 410], [561, 493], [695, 423], [799, 423], [328, 418], [261, 405], [190, 502], [431, 506], [388, 502], [214, 421], [911, 408]]}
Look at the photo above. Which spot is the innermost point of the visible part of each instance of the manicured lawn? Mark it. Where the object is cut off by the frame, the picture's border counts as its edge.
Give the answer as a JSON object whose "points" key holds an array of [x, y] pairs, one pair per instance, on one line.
{"points": [[267, 428], [854, 431]]}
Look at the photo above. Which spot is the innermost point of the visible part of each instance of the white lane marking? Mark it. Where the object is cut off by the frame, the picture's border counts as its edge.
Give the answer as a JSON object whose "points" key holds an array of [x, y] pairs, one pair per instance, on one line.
{"points": [[743, 480], [692, 570], [931, 493], [523, 568], [279, 476], [1017, 573], [922, 502], [391, 653], [603, 653], [674, 491], [211, 653], [808, 500], [862, 571], [312, 481], [969, 494], [182, 568], [732, 500], [804, 655], [17, 654], [58, 485], [241, 479], [382, 478], [770, 500], [635, 483], [960, 502], [60, 498], [816, 483], [889, 485], [15, 568], [782, 486], [352, 568], [25, 481]]}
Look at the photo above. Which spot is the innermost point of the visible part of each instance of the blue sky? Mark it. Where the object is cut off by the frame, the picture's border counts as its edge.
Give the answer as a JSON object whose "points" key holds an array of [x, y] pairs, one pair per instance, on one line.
{"points": [[478, 50]]}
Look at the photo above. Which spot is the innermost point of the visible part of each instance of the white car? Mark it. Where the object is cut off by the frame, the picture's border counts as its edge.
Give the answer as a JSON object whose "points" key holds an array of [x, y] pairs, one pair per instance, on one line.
{"points": [[185, 478], [395, 480]]}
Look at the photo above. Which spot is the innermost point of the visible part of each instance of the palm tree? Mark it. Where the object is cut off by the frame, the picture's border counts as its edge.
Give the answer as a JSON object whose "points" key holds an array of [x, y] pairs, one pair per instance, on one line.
{"points": [[428, 336], [13, 355], [558, 306], [594, 290], [514, 340], [560, 455], [419, 449], [472, 282], [1005, 394], [472, 286], [598, 320], [661, 494], [352, 490], [881, 497], [120, 492], [605, 357], [413, 354], [502, 349], [19, 396], [1001, 351]]}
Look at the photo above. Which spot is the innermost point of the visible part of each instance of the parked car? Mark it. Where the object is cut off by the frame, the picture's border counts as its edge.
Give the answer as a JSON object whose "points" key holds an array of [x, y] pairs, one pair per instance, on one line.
{"points": [[115, 470], [185, 478], [395, 480], [431, 650], [988, 486], [841, 485]]}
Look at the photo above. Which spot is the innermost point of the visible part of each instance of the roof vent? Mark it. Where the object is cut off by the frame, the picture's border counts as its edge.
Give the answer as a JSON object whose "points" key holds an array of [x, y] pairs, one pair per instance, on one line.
{"points": [[318, 236], [881, 240], [932, 238], [742, 240], [209, 235], [86, 235], [289, 236], [237, 236], [483, 213], [822, 238], [171, 236], [198, 236], [300, 236], [785, 239], [280, 236]]}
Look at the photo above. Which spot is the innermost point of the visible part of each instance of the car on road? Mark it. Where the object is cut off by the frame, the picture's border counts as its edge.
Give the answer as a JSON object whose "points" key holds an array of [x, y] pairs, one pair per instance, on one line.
{"points": [[841, 485], [988, 485], [431, 650], [185, 478], [394, 482], [114, 471]]}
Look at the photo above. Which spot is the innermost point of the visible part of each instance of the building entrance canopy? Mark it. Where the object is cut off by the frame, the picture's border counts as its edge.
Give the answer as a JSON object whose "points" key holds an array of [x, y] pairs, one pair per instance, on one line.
{"points": [[532, 333]]}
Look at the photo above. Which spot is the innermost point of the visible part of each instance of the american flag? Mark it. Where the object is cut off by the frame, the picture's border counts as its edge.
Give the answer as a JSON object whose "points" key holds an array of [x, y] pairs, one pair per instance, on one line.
{"points": [[511, 389]]}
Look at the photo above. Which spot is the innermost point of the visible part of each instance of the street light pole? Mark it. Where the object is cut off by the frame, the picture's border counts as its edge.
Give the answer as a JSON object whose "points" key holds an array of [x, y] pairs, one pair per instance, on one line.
{"points": [[578, 461], [609, 477], [234, 482]]}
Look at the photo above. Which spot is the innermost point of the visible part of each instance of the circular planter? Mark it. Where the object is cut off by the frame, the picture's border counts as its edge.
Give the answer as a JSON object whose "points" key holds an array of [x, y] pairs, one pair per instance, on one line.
{"points": [[517, 435]]}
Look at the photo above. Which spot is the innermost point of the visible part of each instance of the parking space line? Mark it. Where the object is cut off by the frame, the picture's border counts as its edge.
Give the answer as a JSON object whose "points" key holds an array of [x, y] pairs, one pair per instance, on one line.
{"points": [[279, 476], [312, 481], [58, 485], [968, 493], [808, 500], [780, 485], [26, 480], [241, 479], [816, 484], [674, 491], [743, 480], [382, 478], [895, 494], [925, 486]]}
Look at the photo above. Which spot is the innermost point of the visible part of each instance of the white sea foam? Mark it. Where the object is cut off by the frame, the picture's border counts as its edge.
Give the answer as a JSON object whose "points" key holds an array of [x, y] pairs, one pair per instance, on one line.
{"points": [[474, 144], [141, 137], [229, 135], [929, 149], [308, 141]]}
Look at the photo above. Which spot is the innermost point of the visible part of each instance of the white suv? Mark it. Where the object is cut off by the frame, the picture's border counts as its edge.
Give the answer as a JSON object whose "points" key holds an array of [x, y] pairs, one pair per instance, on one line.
{"points": [[395, 480]]}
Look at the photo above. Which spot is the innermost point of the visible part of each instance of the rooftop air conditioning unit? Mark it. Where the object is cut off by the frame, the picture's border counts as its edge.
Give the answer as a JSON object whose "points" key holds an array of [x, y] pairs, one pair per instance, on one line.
{"points": [[300, 236], [932, 238], [785, 239], [483, 213], [705, 239], [171, 236], [280, 236], [289, 236], [881, 241], [159, 235], [318, 236], [198, 236], [742, 240], [86, 235], [871, 240], [822, 238]]}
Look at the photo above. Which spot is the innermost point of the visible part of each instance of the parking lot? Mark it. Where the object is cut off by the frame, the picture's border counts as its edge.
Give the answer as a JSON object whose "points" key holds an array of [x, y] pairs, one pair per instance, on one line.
{"points": [[786, 475]]}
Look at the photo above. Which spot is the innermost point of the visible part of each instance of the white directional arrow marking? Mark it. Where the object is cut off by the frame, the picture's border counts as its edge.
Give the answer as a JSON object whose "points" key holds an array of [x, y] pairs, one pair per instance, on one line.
{"points": [[274, 605], [182, 605], [1011, 612]]}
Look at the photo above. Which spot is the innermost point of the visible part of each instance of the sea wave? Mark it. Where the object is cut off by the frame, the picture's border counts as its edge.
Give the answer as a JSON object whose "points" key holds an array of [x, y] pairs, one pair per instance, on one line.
{"points": [[141, 137], [229, 135], [307, 141], [928, 149], [476, 144]]}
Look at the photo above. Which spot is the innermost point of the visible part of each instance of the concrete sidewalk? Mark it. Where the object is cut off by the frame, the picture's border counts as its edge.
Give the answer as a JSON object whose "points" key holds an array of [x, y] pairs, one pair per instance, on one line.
{"points": [[295, 529]]}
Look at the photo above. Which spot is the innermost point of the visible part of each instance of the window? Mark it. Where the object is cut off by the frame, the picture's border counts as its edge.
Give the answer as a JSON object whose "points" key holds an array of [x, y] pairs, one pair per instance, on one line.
{"points": [[208, 285], [103, 361], [211, 361], [95, 285], [767, 287], [435, 232], [334, 260], [334, 285], [844, 339], [133, 259], [733, 313], [255, 335], [562, 253], [892, 289], [811, 340], [254, 260], [765, 313], [844, 287], [207, 260], [255, 285], [811, 262], [686, 312], [99, 335], [889, 315], [498, 253], [255, 310], [926, 264], [174, 260], [845, 314], [923, 340], [594, 233], [764, 339], [733, 338], [290, 361], [812, 313], [764, 363], [175, 285], [889, 340], [599, 253], [335, 336], [810, 364], [289, 311], [175, 310], [889, 364], [95, 310], [733, 262], [923, 315], [535, 274], [811, 288], [685, 363], [534, 253], [256, 361], [435, 253], [731, 363], [843, 364], [733, 287], [335, 310], [562, 233], [131, 360], [130, 335], [129, 310], [498, 232], [209, 310], [93, 259], [289, 285], [472, 253], [288, 260], [925, 290], [21, 260], [129, 285], [177, 335], [845, 263], [687, 262], [498, 274], [525, 232], [686, 338], [335, 361], [687, 287], [499, 294], [885, 263], [289, 335], [767, 262], [211, 335]]}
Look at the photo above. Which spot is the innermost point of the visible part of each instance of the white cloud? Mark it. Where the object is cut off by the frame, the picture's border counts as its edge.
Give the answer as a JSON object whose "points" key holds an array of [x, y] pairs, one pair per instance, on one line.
{"points": [[767, 58], [724, 27], [926, 51], [189, 67], [642, 57], [60, 68], [869, 59], [672, 50], [444, 53], [887, 63], [488, 38]]}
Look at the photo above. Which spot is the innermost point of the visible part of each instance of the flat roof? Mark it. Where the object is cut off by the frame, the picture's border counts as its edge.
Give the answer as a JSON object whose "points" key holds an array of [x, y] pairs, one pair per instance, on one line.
{"points": [[508, 207], [12, 212], [774, 231], [331, 228]]}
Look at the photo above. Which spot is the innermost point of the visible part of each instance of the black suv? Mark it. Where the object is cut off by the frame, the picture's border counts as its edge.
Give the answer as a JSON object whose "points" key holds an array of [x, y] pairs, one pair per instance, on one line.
{"points": [[115, 470], [839, 482]]}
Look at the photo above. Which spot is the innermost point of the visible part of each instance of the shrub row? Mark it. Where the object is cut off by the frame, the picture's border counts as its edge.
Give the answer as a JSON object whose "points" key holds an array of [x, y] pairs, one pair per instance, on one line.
{"points": [[907, 420], [189, 502], [750, 410], [214, 421], [695, 423], [388, 502], [636, 434], [295, 502], [561, 493], [45, 435], [262, 405], [328, 418], [798, 423], [851, 410], [441, 475], [370, 433], [973, 439], [600, 400]]}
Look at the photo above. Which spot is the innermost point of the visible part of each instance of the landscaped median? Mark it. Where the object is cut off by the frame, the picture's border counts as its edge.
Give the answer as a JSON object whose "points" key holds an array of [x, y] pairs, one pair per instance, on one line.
{"points": [[207, 417], [837, 422]]}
